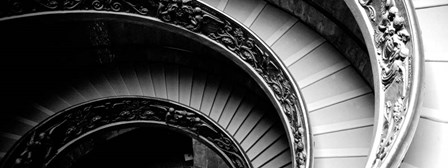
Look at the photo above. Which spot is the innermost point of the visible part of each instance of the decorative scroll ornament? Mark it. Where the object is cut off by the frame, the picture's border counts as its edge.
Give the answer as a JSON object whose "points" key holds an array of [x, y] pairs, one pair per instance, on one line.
{"points": [[199, 18], [41, 145], [181, 13], [391, 38], [367, 4], [234, 39]]}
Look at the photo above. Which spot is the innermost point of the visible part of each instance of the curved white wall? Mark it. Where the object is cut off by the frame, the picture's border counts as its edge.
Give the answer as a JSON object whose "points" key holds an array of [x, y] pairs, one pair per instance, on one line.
{"points": [[429, 148]]}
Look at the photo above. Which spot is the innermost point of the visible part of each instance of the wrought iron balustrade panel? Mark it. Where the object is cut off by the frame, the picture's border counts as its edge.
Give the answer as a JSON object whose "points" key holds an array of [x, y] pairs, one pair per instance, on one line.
{"points": [[45, 142]]}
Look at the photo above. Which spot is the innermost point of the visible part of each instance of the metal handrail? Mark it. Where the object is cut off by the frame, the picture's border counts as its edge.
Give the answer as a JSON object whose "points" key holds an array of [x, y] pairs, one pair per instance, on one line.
{"points": [[53, 139]]}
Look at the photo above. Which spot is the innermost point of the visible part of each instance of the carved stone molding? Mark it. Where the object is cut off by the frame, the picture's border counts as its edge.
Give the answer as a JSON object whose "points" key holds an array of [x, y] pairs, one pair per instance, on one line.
{"points": [[42, 144], [396, 57], [210, 23]]}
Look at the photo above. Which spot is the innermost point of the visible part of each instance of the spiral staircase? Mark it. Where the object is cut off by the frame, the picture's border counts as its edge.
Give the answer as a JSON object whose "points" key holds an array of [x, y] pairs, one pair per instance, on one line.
{"points": [[340, 103]]}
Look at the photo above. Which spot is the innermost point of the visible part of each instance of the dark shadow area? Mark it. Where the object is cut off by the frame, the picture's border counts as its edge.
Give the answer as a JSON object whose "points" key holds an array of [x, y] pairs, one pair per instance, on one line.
{"points": [[143, 148]]}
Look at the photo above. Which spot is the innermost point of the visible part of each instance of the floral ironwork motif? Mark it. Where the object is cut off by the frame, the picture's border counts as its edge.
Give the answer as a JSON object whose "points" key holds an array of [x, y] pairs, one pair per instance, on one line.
{"points": [[199, 18], [393, 54], [17, 7], [237, 41], [41, 145], [180, 13]]}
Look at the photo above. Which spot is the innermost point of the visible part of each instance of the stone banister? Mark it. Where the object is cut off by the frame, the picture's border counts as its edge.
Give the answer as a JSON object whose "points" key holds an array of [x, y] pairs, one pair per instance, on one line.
{"points": [[392, 37]]}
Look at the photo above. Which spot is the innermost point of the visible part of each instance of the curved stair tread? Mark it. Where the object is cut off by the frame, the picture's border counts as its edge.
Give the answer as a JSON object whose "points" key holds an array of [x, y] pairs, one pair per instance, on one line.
{"points": [[233, 103], [259, 130], [298, 40], [245, 11], [130, 79], [321, 58], [344, 81], [185, 84], [353, 109], [197, 90], [211, 89], [347, 162], [158, 76], [87, 90], [241, 112], [116, 81], [101, 84], [271, 152], [269, 138], [145, 80], [249, 123], [289, 165], [339, 101], [345, 139], [280, 160], [221, 99], [278, 20], [172, 82], [71, 95]]}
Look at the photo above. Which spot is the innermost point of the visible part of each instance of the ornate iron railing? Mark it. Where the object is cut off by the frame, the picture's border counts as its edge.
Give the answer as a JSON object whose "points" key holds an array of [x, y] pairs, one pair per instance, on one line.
{"points": [[41, 146], [247, 50], [391, 33]]}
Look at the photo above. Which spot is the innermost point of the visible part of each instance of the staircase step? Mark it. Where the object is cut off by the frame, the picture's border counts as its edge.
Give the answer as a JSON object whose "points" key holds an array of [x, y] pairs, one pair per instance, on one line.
{"points": [[158, 76], [185, 85], [172, 82], [271, 152], [245, 11], [270, 20], [347, 162], [221, 99]]}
